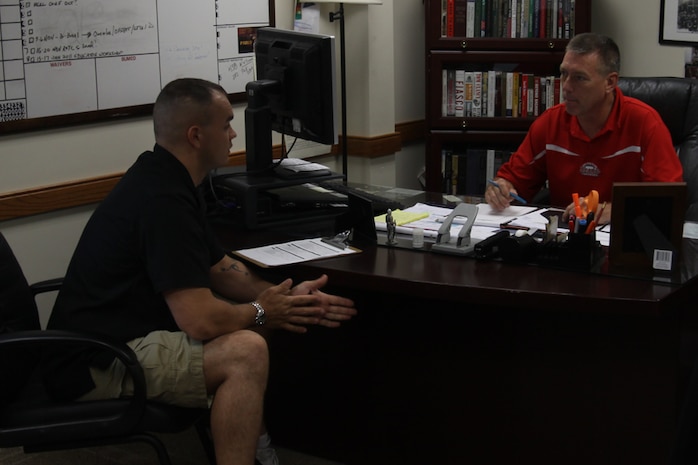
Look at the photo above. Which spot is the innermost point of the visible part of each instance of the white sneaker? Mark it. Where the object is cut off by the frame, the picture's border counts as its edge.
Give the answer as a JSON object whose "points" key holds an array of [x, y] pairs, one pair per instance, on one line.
{"points": [[267, 456]]}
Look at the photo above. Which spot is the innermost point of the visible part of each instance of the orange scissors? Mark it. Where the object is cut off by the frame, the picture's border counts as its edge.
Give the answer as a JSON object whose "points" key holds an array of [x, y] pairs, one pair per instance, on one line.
{"points": [[591, 203]]}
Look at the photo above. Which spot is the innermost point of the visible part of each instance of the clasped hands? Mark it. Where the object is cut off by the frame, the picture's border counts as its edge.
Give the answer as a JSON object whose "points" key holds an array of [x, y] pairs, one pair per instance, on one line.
{"points": [[293, 308]]}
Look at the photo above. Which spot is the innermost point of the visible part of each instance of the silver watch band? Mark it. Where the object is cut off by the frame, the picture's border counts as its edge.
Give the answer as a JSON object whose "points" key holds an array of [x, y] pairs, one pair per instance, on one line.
{"points": [[260, 317]]}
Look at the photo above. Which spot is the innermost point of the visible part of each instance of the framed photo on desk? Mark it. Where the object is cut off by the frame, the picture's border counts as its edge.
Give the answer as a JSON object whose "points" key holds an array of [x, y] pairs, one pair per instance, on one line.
{"points": [[647, 225]]}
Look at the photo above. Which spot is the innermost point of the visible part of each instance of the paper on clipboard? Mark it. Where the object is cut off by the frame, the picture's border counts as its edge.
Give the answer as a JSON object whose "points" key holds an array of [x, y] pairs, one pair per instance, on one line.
{"points": [[287, 253]]}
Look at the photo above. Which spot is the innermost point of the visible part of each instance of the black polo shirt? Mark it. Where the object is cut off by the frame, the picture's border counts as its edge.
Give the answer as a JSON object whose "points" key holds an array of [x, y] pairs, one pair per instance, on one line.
{"points": [[149, 235]]}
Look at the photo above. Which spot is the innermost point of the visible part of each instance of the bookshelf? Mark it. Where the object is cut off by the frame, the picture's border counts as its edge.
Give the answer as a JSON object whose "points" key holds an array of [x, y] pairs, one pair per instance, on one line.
{"points": [[491, 67]]}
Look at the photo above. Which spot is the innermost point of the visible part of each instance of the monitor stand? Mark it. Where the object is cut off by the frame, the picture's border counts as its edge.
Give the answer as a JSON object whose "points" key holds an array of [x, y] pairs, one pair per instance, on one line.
{"points": [[247, 192]]}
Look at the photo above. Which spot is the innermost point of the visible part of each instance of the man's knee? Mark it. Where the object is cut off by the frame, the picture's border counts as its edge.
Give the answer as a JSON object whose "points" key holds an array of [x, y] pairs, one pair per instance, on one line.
{"points": [[242, 352]]}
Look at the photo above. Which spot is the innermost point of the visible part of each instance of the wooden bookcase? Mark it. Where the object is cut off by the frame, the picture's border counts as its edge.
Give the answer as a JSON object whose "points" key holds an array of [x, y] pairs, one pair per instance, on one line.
{"points": [[540, 56]]}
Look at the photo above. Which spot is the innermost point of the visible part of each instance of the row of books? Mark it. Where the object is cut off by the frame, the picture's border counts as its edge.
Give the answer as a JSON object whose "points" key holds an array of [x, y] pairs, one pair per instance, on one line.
{"points": [[466, 170], [543, 19], [497, 93]]}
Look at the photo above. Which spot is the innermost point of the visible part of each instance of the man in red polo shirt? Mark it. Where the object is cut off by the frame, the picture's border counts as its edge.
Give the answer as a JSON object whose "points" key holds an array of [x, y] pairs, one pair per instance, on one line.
{"points": [[596, 137]]}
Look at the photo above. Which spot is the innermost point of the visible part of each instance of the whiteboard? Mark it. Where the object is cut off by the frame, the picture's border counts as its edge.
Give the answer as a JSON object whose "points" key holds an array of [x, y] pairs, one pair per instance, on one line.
{"points": [[67, 57]]}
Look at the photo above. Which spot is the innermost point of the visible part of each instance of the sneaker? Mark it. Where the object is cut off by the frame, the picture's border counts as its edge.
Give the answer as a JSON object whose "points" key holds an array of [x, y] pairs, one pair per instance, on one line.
{"points": [[267, 456]]}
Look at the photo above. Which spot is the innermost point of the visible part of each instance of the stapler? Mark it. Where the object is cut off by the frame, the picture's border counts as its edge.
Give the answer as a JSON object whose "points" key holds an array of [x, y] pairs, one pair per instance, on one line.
{"points": [[489, 248], [464, 244]]}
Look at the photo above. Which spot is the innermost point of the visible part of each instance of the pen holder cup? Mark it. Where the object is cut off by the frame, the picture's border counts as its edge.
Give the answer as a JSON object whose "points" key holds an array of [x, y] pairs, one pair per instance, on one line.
{"points": [[579, 252]]}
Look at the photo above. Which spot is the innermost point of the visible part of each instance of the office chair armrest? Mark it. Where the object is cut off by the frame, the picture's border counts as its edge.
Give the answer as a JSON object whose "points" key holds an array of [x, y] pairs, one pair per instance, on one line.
{"points": [[46, 286], [54, 337]]}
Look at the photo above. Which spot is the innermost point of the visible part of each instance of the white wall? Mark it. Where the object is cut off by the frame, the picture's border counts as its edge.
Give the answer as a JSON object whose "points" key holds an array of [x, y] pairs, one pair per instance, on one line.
{"points": [[44, 243], [409, 86]]}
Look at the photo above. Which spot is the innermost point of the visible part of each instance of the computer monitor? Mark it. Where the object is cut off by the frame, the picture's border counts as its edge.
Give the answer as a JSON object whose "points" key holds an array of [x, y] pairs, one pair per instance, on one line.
{"points": [[294, 94]]}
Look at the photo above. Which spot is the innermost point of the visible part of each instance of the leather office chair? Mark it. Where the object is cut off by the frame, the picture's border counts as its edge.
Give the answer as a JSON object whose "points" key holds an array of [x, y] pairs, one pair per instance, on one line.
{"points": [[676, 101], [30, 420]]}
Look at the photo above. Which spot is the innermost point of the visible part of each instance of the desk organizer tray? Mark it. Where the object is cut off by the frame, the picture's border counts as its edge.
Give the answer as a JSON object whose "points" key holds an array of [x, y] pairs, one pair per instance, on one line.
{"points": [[578, 252]]}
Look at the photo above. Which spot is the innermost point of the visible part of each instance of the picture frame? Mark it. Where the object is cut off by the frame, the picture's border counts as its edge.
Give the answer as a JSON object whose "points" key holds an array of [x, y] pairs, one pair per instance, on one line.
{"points": [[678, 23], [647, 226]]}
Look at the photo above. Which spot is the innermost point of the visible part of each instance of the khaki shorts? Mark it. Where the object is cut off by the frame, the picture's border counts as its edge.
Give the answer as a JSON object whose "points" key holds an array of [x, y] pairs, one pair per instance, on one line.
{"points": [[173, 364]]}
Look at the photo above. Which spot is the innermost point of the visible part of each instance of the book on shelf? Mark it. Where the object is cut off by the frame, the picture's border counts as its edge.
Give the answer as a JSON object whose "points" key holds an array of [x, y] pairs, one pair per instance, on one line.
{"points": [[549, 15], [523, 107], [489, 164], [523, 19], [444, 17], [459, 21], [444, 92], [477, 20], [454, 173], [491, 93], [485, 93], [446, 169], [470, 19], [497, 93], [460, 93], [536, 95], [477, 93], [499, 105], [486, 7], [516, 94], [451, 92], [508, 18], [529, 96], [468, 93], [450, 18], [466, 170], [509, 93]]}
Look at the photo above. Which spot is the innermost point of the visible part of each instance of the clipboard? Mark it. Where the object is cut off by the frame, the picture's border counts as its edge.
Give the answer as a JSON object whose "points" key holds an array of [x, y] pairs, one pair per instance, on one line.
{"points": [[296, 251]]}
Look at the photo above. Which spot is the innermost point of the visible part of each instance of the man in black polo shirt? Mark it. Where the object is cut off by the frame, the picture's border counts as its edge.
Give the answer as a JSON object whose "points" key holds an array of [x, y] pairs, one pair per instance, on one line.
{"points": [[148, 271]]}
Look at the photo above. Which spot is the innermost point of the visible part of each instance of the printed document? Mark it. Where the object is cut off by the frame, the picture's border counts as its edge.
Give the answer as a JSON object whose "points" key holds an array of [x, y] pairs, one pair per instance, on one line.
{"points": [[297, 251]]}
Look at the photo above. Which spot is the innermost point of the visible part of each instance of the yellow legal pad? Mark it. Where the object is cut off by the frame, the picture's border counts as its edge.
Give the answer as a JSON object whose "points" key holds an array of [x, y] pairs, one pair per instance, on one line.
{"points": [[403, 217]]}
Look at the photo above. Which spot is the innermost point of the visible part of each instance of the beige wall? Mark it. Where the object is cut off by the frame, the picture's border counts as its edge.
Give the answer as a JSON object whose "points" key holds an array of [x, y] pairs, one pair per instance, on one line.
{"points": [[634, 25], [392, 91]]}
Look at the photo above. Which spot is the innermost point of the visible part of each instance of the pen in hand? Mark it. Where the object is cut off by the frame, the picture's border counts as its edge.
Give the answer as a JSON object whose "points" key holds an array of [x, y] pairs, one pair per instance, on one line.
{"points": [[513, 196]]}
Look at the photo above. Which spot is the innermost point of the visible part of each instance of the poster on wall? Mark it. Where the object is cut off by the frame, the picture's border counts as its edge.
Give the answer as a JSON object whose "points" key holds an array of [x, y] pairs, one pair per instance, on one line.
{"points": [[306, 17]]}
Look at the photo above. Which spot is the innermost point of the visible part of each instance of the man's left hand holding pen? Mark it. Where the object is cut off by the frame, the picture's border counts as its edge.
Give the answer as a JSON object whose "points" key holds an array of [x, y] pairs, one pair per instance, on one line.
{"points": [[500, 193]]}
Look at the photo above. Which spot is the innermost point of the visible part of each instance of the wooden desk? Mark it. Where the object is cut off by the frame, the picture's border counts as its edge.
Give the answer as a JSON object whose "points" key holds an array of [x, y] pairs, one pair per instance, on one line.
{"points": [[454, 361]]}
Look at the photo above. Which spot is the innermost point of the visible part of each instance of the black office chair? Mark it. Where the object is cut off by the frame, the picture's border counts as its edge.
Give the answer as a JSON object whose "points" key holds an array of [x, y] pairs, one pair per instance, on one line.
{"points": [[29, 419], [676, 101]]}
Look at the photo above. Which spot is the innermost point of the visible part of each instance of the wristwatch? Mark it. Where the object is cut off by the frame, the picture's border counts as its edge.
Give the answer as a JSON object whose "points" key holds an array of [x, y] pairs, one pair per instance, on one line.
{"points": [[260, 318]]}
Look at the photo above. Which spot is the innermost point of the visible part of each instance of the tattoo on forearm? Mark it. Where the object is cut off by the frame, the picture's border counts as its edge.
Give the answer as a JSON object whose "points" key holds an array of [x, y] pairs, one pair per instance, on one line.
{"points": [[235, 266]]}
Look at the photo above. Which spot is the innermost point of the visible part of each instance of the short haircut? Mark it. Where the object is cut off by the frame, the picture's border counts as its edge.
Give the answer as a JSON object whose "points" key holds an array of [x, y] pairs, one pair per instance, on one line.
{"points": [[183, 102], [590, 42]]}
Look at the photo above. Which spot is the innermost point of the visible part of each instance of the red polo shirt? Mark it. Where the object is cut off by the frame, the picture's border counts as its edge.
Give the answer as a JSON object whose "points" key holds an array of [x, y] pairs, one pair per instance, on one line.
{"points": [[634, 145]]}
